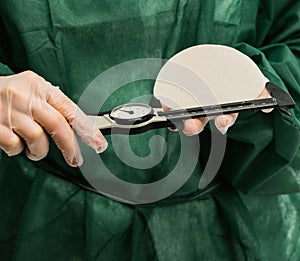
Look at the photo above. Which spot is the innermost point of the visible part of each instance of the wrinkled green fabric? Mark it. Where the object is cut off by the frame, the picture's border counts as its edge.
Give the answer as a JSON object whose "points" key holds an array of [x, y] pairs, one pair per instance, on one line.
{"points": [[69, 43]]}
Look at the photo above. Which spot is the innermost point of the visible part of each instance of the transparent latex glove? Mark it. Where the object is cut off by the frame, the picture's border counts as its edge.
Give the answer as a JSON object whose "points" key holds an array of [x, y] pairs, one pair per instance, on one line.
{"points": [[222, 122], [30, 108]]}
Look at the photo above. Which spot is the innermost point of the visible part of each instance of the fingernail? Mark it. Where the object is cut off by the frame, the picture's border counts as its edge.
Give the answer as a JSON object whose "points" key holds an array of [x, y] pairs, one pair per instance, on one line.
{"points": [[100, 143], [77, 161], [102, 147], [32, 156]]}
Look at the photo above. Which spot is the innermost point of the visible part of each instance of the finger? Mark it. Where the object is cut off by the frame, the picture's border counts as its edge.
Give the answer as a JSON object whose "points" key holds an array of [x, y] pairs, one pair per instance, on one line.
{"points": [[223, 122], [82, 125], [60, 131], [264, 95], [194, 126], [10, 143], [165, 107], [33, 135], [267, 110]]}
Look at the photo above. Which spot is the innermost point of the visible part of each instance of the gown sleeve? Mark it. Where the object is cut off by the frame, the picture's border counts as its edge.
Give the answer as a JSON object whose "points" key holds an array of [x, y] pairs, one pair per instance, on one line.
{"points": [[4, 51], [270, 142]]}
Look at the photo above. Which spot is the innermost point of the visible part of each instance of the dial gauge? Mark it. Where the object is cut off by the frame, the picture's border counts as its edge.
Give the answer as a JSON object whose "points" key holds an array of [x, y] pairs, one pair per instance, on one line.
{"points": [[132, 113]]}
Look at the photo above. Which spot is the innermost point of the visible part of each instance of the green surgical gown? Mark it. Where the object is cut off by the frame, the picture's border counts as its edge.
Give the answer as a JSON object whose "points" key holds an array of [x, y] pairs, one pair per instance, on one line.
{"points": [[250, 211]]}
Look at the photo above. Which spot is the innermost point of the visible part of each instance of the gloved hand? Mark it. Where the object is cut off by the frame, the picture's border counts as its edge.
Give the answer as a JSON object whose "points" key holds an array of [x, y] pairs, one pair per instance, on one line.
{"points": [[222, 122], [30, 108]]}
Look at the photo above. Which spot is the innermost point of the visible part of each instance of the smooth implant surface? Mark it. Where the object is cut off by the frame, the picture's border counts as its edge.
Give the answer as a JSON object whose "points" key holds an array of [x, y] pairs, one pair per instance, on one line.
{"points": [[208, 74]]}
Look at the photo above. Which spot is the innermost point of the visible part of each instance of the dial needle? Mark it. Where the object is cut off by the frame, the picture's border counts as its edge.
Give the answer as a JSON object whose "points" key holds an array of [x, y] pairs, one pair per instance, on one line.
{"points": [[130, 112]]}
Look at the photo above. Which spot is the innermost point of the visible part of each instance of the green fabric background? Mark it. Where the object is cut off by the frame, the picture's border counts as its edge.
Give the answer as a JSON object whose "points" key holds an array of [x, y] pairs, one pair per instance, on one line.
{"points": [[254, 212]]}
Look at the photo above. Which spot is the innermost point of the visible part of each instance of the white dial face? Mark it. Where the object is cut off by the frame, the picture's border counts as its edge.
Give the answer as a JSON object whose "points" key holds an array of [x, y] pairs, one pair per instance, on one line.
{"points": [[131, 111]]}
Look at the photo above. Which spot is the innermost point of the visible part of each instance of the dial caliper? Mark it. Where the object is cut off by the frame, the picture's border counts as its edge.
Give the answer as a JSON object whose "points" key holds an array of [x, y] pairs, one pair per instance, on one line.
{"points": [[135, 118]]}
